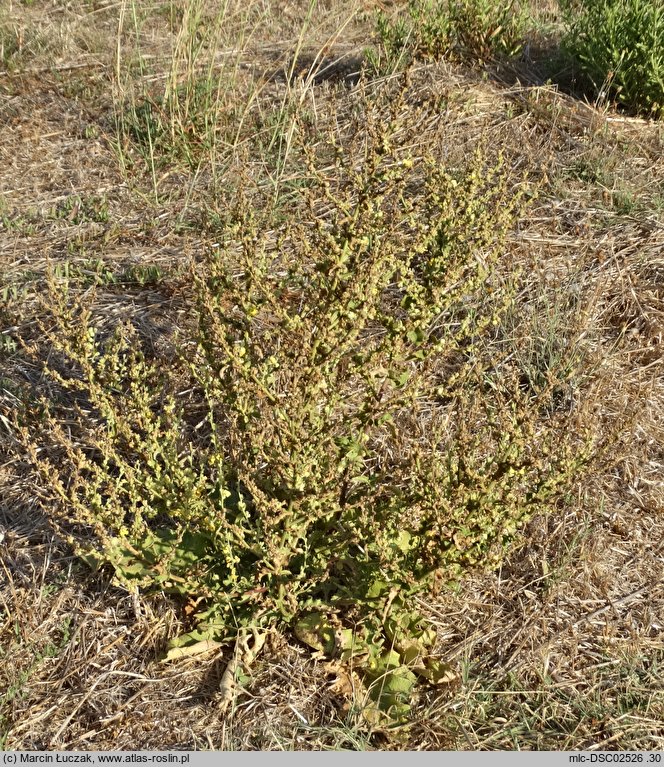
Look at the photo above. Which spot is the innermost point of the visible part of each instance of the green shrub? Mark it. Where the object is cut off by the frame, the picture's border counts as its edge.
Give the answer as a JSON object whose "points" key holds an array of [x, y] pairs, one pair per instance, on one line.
{"points": [[348, 438], [423, 32], [619, 45], [434, 29], [484, 28]]}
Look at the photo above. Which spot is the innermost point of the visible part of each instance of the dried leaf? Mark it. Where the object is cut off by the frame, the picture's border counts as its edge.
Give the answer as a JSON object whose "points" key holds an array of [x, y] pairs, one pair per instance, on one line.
{"points": [[189, 651], [436, 672]]}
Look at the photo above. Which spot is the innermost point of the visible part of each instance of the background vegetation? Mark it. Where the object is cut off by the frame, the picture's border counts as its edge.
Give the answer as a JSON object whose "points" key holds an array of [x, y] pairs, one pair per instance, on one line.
{"points": [[619, 47]]}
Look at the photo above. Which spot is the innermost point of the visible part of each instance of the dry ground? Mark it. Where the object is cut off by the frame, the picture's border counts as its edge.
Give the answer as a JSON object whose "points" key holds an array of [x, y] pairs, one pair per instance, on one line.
{"points": [[563, 647]]}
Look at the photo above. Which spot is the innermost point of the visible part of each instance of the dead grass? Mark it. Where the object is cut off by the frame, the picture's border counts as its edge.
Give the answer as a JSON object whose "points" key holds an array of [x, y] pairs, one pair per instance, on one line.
{"points": [[563, 647]]}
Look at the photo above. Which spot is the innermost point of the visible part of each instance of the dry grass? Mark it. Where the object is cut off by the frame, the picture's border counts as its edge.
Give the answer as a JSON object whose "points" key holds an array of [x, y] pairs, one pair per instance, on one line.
{"points": [[563, 647]]}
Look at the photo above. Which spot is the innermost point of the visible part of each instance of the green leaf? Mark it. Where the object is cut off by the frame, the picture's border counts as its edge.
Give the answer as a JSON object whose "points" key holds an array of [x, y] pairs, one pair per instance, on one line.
{"points": [[393, 684], [399, 379], [377, 589], [203, 633], [415, 336], [316, 631], [404, 541], [436, 671]]}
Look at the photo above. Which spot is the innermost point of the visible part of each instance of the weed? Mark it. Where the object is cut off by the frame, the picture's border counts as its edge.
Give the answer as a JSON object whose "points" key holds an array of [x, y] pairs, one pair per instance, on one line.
{"points": [[20, 224], [142, 274], [80, 210], [593, 168], [624, 202], [423, 32], [433, 29], [577, 678], [484, 29], [8, 344], [357, 445]]}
